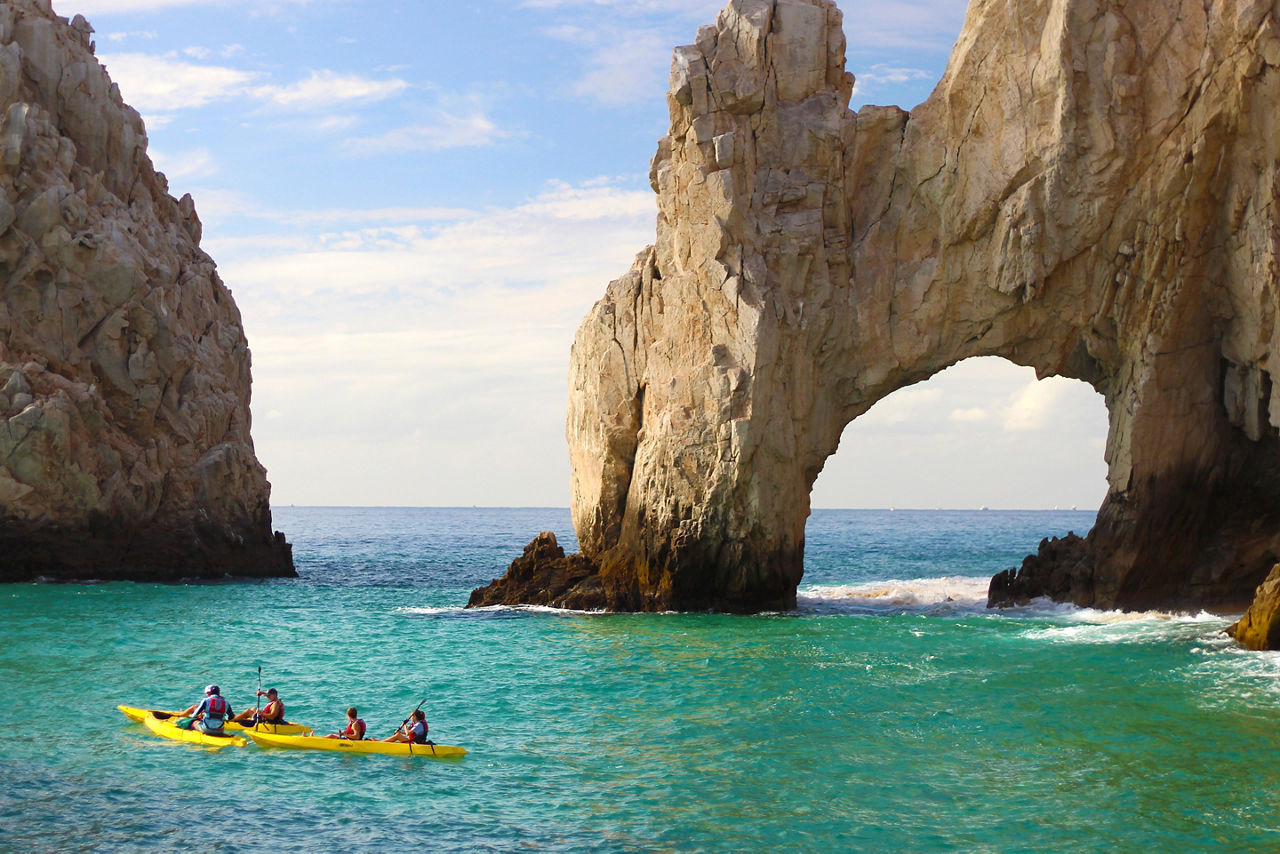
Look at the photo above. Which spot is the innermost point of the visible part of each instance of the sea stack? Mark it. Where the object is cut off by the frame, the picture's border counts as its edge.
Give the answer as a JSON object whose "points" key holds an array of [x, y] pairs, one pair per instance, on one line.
{"points": [[124, 372], [1091, 190]]}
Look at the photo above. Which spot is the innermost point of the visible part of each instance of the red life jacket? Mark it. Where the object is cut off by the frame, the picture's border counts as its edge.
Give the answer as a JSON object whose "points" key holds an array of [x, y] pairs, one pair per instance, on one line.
{"points": [[216, 707]]}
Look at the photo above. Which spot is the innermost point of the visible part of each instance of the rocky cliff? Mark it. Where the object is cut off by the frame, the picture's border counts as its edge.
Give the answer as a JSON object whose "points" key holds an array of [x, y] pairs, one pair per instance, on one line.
{"points": [[124, 371], [1089, 191]]}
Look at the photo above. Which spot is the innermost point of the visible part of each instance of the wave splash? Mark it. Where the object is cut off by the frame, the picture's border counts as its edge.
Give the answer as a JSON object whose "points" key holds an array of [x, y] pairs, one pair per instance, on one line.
{"points": [[948, 595], [957, 595]]}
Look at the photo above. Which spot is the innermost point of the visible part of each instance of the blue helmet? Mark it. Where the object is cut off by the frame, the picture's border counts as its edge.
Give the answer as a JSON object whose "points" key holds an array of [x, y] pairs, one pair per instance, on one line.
{"points": [[211, 689]]}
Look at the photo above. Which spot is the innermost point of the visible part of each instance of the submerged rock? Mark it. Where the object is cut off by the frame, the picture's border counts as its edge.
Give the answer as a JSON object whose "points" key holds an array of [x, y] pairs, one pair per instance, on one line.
{"points": [[1051, 571], [124, 371], [543, 575], [1090, 191]]}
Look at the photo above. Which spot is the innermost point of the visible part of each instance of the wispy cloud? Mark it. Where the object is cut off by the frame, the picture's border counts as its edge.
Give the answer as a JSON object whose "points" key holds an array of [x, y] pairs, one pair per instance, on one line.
{"points": [[160, 84], [915, 25], [623, 66], [564, 232], [446, 327], [881, 74], [324, 88], [687, 8], [147, 35], [446, 130], [1035, 404], [90, 8], [185, 165], [157, 84]]}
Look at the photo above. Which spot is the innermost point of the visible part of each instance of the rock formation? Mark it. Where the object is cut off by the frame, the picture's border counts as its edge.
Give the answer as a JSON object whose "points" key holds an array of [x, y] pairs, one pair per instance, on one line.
{"points": [[1090, 191], [544, 575], [124, 370], [1259, 628]]}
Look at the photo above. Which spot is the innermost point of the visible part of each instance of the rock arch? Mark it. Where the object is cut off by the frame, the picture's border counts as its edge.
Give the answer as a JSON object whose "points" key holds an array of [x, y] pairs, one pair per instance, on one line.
{"points": [[1089, 191]]}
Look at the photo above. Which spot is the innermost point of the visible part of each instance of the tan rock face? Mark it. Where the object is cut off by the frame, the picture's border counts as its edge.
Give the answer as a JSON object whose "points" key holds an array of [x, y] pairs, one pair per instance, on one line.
{"points": [[1090, 191], [1259, 628], [124, 370]]}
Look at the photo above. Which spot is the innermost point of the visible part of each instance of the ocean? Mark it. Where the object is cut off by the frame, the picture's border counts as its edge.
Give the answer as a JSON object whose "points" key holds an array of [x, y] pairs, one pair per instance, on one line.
{"points": [[891, 711]]}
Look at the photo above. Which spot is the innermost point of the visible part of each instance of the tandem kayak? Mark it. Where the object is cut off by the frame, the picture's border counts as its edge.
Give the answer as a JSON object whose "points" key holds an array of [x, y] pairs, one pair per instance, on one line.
{"points": [[168, 730], [342, 745], [136, 714]]}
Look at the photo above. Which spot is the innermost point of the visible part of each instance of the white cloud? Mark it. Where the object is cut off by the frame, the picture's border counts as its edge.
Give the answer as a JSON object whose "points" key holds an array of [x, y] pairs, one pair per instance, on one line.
{"points": [[152, 83], [446, 131], [688, 8], [1034, 405], [439, 336], [124, 36], [565, 232], [881, 75], [184, 165], [630, 69], [157, 84], [90, 8], [905, 406], [324, 88], [920, 25], [970, 415]]}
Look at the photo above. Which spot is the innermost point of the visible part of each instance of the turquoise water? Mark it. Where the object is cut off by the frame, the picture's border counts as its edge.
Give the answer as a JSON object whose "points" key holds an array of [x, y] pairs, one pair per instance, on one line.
{"points": [[890, 711]]}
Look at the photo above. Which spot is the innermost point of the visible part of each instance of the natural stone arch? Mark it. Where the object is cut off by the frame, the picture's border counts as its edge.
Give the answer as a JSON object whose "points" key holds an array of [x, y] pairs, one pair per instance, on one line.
{"points": [[1090, 191]]}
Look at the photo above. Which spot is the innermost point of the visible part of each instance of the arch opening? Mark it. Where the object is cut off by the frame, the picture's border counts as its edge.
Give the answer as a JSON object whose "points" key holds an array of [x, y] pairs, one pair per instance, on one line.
{"points": [[984, 433], [945, 483]]}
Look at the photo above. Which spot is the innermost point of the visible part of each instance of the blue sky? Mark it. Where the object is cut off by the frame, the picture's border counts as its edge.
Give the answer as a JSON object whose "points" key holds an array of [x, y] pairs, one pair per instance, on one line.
{"points": [[415, 203]]}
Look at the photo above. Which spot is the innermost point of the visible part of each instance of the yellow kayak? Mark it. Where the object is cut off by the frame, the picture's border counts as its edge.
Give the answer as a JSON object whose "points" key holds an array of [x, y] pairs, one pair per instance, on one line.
{"points": [[342, 745], [137, 715], [168, 730]]}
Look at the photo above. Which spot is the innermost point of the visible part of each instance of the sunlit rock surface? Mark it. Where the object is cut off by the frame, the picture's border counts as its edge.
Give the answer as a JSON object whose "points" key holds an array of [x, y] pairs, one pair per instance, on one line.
{"points": [[1259, 628], [1090, 191], [124, 371]]}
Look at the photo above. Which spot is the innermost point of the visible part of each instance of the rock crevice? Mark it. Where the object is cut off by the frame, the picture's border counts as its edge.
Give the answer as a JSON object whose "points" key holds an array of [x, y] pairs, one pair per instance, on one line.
{"points": [[1082, 195]]}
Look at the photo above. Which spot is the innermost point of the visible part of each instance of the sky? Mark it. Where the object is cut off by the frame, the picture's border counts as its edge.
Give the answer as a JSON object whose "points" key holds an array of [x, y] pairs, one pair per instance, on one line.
{"points": [[415, 203]]}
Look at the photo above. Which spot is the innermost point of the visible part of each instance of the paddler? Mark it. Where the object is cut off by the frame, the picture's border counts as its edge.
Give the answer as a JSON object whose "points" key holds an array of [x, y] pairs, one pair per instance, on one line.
{"points": [[355, 727], [272, 712], [209, 714], [412, 733]]}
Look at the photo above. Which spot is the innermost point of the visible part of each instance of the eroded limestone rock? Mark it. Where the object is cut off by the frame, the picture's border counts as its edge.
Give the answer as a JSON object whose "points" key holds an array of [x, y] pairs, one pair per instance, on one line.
{"points": [[1090, 191], [124, 370]]}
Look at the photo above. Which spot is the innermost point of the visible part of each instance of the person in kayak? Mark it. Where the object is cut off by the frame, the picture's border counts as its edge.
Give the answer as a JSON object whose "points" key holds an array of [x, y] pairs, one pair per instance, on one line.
{"points": [[355, 727], [210, 714], [413, 733], [272, 712]]}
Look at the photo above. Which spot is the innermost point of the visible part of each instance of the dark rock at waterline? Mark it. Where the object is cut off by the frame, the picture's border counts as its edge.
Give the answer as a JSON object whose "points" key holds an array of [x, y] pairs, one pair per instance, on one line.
{"points": [[544, 575], [104, 551], [1053, 571]]}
